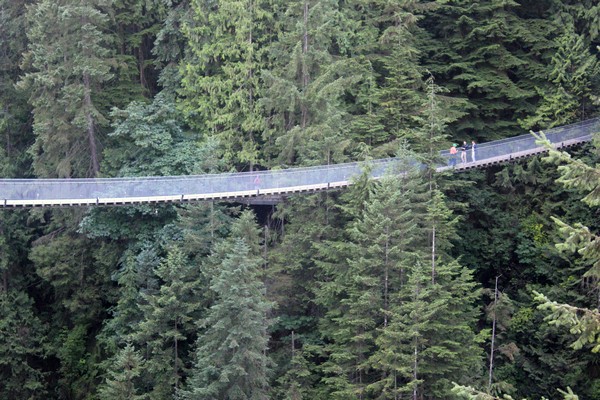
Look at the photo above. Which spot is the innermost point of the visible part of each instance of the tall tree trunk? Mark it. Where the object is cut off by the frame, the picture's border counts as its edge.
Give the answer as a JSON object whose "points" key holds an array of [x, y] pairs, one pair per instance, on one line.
{"points": [[175, 375], [91, 129], [386, 280], [491, 368]]}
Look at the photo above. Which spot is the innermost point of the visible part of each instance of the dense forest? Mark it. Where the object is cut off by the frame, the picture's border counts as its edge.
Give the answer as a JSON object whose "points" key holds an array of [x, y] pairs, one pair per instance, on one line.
{"points": [[419, 286]]}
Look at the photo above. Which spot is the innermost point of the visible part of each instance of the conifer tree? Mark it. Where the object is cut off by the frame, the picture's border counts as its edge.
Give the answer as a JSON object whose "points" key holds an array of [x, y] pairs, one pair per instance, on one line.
{"points": [[121, 382], [403, 91], [15, 125], [585, 323], [67, 65], [304, 87], [167, 325], [21, 347], [137, 23], [573, 70], [491, 53], [231, 360], [220, 76]]}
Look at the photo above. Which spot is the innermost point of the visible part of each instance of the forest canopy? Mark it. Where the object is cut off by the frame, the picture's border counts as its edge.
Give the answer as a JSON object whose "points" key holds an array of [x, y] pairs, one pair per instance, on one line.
{"points": [[419, 286]]}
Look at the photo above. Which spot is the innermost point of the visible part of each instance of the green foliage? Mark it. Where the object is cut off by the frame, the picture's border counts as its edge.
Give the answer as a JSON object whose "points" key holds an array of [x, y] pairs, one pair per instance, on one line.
{"points": [[490, 53], [167, 324], [230, 355], [67, 63], [573, 70], [582, 322], [151, 139], [305, 85], [220, 77], [121, 380], [22, 336]]}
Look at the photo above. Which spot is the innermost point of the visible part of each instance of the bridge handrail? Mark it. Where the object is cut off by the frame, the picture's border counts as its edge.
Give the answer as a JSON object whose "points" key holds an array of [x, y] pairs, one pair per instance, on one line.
{"points": [[247, 182]]}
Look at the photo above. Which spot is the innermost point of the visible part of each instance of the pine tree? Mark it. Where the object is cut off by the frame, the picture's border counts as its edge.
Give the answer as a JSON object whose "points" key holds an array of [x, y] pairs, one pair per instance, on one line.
{"points": [[67, 63], [491, 53], [578, 238], [137, 23], [15, 125], [230, 356], [402, 92]]}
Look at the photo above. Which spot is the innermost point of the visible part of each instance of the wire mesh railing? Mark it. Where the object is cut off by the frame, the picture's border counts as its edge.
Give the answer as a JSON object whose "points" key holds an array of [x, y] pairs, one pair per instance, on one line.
{"points": [[23, 192]]}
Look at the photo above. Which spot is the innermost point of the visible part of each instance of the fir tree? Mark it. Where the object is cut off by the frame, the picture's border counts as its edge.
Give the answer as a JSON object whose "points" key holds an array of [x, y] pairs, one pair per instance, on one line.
{"points": [[121, 380], [220, 85], [167, 324], [568, 99], [230, 356], [304, 88], [21, 348], [67, 64]]}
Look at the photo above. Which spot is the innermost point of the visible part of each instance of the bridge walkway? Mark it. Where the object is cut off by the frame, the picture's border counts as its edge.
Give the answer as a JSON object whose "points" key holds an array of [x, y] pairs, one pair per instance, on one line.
{"points": [[260, 187]]}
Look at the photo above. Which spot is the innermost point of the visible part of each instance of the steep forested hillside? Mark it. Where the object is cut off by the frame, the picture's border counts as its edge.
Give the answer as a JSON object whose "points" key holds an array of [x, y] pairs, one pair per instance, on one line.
{"points": [[417, 286]]}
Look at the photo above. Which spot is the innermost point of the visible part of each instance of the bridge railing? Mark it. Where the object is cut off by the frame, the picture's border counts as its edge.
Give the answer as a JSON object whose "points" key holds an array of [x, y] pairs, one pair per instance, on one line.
{"points": [[258, 182]]}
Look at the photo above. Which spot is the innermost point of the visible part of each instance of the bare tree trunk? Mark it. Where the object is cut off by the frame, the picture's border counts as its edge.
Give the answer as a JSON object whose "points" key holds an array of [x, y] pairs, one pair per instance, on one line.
{"points": [[386, 281], [175, 375], [416, 355], [91, 129], [491, 369], [433, 254]]}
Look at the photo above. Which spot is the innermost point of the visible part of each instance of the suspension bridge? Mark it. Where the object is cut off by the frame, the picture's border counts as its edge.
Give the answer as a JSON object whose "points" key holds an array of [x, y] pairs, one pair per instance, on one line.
{"points": [[263, 187]]}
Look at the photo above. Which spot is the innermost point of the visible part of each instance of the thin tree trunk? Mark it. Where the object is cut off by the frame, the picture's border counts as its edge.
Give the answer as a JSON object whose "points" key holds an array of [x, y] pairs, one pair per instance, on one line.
{"points": [[386, 281], [491, 369], [251, 75], [433, 255], [416, 353], [305, 75], [91, 129], [175, 375]]}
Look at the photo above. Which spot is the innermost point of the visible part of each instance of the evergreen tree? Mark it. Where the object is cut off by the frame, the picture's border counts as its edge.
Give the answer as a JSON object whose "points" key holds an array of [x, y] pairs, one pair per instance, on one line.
{"points": [[167, 325], [304, 87], [15, 126], [230, 356], [21, 348], [121, 380], [220, 85], [578, 238], [362, 282], [573, 70], [402, 92], [491, 53], [68, 60], [137, 24]]}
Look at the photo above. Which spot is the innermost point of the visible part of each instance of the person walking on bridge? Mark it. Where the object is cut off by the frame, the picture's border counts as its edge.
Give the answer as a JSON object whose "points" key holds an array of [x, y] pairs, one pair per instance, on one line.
{"points": [[473, 146], [453, 152], [463, 152]]}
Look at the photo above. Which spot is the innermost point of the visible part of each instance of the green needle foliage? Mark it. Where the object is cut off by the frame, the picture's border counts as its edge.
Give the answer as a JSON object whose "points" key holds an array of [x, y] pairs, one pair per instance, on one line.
{"points": [[230, 358], [67, 64]]}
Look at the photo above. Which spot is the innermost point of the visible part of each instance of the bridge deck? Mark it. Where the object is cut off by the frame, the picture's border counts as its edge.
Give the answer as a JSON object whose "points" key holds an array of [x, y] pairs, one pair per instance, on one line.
{"points": [[262, 187]]}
